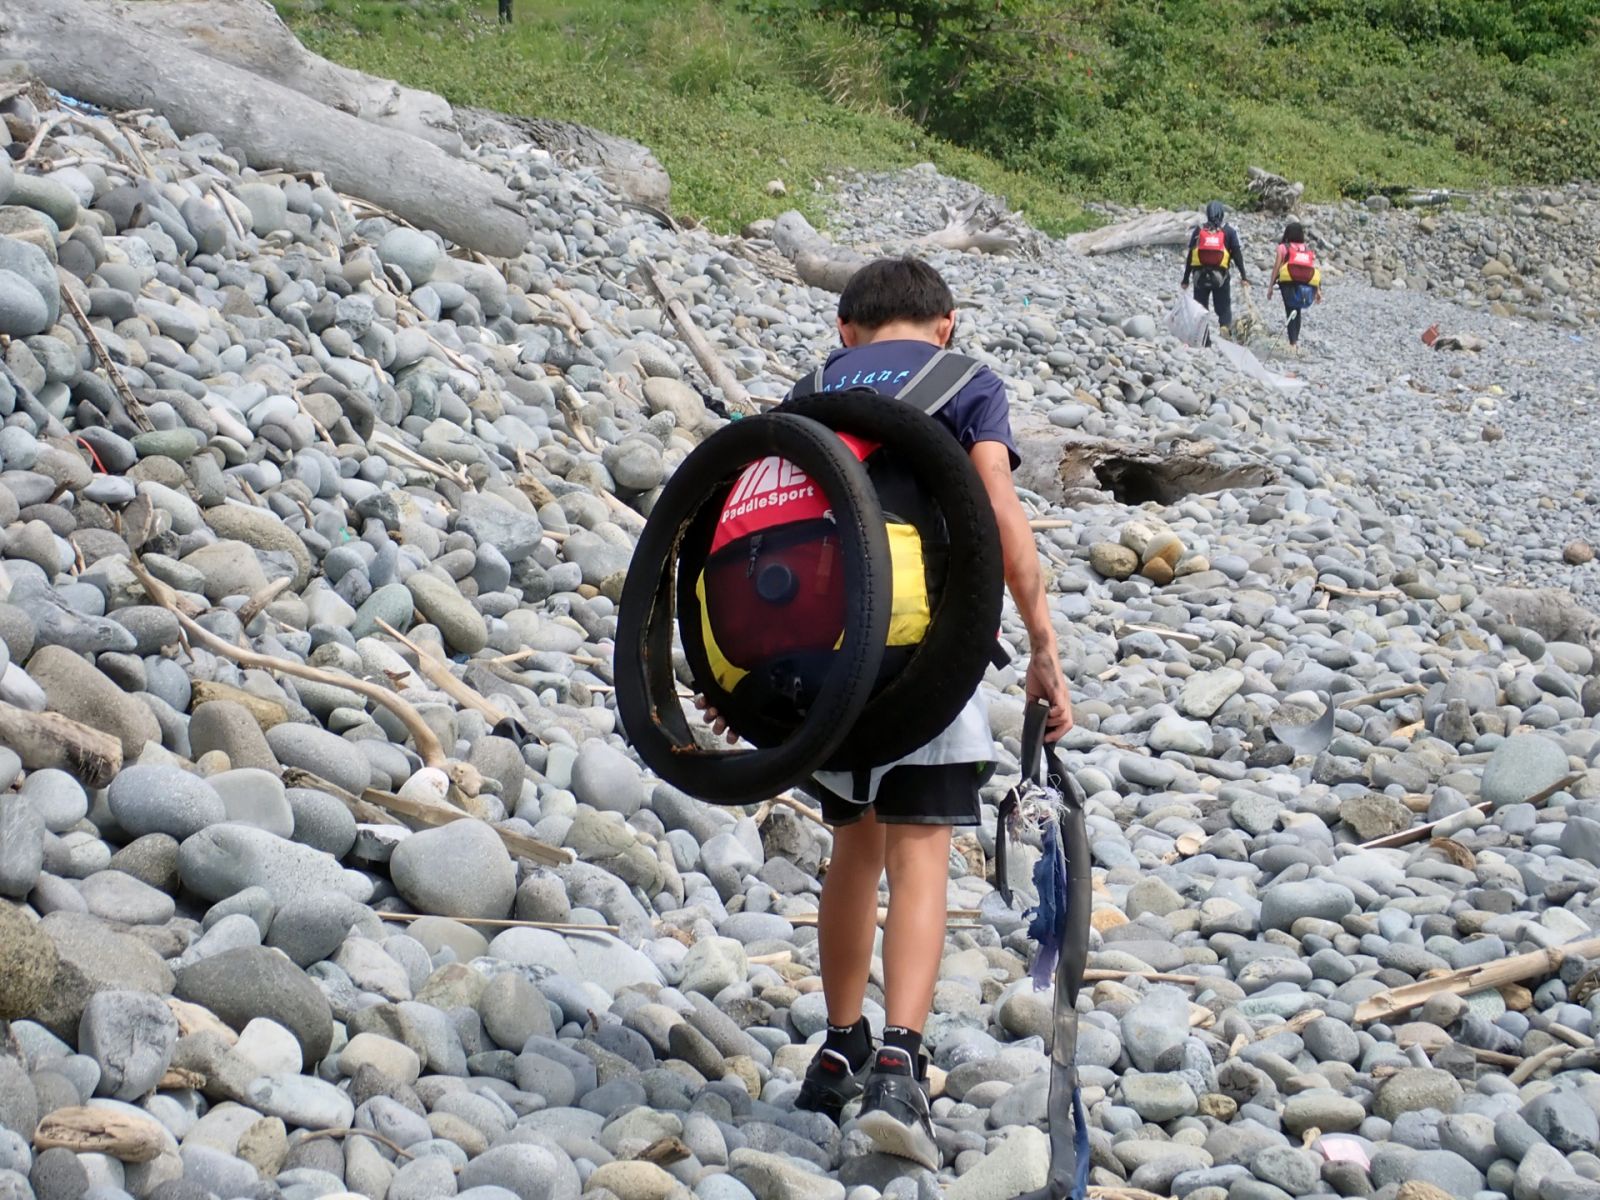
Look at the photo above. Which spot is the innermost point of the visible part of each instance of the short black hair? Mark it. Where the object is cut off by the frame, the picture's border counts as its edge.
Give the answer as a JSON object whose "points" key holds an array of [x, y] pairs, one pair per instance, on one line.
{"points": [[1294, 232], [895, 289]]}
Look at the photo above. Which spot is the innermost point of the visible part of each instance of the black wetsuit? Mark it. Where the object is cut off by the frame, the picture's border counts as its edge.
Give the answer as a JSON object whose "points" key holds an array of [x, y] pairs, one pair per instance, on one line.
{"points": [[1212, 288]]}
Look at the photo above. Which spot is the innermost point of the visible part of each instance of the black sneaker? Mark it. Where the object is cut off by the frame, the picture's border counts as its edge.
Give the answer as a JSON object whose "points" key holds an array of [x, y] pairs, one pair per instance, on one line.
{"points": [[830, 1084], [894, 1109]]}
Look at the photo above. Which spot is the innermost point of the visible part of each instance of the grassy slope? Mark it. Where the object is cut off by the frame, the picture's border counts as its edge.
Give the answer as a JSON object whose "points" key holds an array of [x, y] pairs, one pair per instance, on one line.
{"points": [[1174, 100], [1343, 94], [722, 106]]}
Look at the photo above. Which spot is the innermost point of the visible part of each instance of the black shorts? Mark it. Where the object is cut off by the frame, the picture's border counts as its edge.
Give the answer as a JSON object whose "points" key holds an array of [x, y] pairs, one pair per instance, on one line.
{"points": [[912, 795]]}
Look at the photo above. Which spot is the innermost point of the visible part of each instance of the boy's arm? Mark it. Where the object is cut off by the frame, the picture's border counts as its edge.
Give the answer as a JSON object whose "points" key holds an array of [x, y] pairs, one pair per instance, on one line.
{"points": [[1026, 583], [1235, 249], [1188, 255]]}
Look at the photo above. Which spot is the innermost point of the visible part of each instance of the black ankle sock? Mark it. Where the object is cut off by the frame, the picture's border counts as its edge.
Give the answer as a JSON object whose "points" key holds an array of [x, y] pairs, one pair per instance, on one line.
{"points": [[854, 1042], [901, 1038]]}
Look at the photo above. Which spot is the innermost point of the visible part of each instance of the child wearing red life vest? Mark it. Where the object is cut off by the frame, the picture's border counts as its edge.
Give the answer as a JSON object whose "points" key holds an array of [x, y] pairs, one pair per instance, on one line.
{"points": [[1296, 275], [1213, 250]]}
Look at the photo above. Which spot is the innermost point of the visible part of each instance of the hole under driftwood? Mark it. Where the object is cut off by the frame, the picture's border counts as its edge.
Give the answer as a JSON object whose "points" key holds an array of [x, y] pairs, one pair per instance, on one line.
{"points": [[1137, 476], [1168, 480]]}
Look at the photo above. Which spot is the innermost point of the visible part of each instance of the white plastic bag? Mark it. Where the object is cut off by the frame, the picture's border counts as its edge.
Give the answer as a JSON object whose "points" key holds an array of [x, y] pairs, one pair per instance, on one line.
{"points": [[1188, 321]]}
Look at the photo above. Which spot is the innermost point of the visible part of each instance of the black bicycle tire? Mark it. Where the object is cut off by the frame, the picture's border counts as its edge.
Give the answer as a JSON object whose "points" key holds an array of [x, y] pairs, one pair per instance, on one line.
{"points": [[647, 702], [945, 669]]}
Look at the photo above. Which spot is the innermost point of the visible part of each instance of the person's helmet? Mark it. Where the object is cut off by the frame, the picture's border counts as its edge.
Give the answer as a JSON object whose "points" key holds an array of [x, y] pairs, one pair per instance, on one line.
{"points": [[1215, 213]]}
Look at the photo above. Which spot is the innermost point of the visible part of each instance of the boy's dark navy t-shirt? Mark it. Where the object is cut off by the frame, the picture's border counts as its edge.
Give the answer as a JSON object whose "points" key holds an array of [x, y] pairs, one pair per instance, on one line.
{"points": [[979, 412]]}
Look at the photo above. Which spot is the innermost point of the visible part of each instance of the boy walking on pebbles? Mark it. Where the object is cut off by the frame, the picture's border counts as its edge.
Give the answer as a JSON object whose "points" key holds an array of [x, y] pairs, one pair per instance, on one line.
{"points": [[895, 315]]}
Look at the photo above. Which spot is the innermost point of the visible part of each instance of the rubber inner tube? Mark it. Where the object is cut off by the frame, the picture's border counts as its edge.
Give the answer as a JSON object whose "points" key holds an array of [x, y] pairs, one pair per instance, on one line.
{"points": [[941, 673], [680, 527]]}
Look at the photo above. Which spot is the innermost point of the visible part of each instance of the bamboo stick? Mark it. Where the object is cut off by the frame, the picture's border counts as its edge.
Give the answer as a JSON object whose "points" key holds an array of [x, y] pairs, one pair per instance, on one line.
{"points": [[1418, 832], [1403, 999]]}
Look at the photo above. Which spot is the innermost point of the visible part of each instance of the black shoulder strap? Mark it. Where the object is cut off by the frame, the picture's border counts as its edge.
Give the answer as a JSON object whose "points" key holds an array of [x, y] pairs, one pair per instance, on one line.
{"points": [[941, 377], [807, 385]]}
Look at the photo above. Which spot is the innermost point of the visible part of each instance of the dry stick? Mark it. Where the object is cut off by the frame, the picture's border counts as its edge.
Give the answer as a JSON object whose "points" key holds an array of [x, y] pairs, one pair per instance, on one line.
{"points": [[1394, 693], [1334, 589], [226, 200], [77, 160], [349, 1131], [252, 607], [382, 442], [1417, 832], [426, 742], [1473, 979], [581, 320], [507, 923], [1530, 1066], [566, 401], [1111, 975], [789, 800], [129, 401], [435, 815], [1044, 523], [1581, 1041], [43, 132], [441, 676], [363, 811], [732, 390], [953, 914]]}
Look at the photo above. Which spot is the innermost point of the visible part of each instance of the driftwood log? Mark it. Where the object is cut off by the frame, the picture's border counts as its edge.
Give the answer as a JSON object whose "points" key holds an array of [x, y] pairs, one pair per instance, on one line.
{"points": [[250, 35], [105, 1131], [978, 224], [45, 740], [87, 52], [1151, 229], [817, 261], [1273, 193]]}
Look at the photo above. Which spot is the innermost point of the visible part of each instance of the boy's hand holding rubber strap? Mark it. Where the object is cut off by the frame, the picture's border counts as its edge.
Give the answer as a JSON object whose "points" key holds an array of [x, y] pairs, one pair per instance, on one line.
{"points": [[1034, 721]]}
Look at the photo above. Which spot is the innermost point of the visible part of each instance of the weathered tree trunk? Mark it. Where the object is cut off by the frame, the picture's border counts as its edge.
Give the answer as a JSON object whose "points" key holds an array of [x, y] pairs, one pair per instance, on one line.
{"points": [[1152, 229], [817, 261], [79, 49], [250, 35]]}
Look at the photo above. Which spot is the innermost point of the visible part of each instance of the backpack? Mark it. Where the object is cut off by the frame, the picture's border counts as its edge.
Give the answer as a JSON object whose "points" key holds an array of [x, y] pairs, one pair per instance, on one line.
{"points": [[1211, 248], [771, 594], [1299, 263]]}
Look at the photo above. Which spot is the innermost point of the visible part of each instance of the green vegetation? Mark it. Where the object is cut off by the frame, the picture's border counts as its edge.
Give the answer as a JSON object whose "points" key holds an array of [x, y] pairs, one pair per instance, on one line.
{"points": [[1042, 101], [724, 104]]}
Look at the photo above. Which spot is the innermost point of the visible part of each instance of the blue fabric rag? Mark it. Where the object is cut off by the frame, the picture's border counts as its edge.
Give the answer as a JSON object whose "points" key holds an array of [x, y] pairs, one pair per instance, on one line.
{"points": [[1049, 917]]}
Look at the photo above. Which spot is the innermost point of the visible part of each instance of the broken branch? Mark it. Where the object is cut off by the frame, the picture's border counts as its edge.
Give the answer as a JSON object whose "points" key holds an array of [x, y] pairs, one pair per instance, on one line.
{"points": [[716, 370], [422, 735]]}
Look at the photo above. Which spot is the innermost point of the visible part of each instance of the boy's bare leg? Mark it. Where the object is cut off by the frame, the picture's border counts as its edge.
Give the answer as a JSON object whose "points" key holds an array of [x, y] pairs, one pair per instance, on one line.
{"points": [[846, 924], [918, 859]]}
